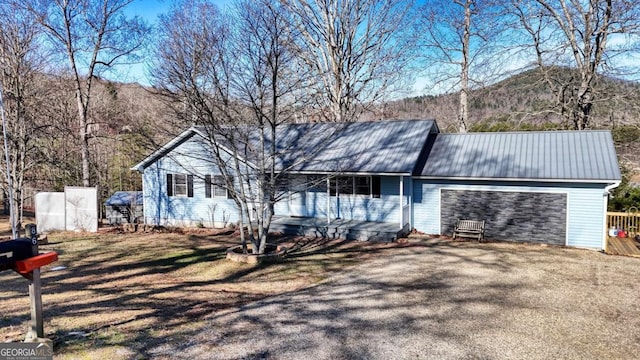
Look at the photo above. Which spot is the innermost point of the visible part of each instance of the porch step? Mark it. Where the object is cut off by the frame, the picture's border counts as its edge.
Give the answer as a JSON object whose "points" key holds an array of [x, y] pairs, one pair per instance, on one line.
{"points": [[336, 232]]}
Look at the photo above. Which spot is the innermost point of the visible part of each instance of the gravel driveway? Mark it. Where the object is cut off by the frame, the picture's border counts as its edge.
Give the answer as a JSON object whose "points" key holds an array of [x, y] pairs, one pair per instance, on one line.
{"points": [[444, 301]]}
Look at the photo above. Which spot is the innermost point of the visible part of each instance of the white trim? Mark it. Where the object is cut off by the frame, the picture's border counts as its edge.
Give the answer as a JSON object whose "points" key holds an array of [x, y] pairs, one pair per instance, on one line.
{"points": [[410, 203], [174, 182], [536, 180], [346, 173], [177, 141], [567, 217], [328, 201], [213, 184], [147, 161], [605, 197], [401, 202], [489, 188]]}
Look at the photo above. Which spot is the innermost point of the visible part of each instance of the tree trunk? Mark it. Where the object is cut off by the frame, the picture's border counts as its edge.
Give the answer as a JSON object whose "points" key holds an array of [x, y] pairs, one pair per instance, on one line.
{"points": [[463, 114]]}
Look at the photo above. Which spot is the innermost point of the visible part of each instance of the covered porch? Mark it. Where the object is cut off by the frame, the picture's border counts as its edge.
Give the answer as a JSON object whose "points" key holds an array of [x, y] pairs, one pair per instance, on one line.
{"points": [[338, 228]]}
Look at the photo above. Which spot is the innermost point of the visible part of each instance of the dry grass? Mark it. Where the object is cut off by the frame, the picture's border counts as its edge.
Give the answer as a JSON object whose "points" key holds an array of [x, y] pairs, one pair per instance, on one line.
{"points": [[121, 295]]}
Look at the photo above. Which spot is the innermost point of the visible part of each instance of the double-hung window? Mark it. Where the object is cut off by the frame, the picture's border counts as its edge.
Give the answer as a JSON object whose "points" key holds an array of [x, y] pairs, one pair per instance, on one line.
{"points": [[180, 185], [216, 186]]}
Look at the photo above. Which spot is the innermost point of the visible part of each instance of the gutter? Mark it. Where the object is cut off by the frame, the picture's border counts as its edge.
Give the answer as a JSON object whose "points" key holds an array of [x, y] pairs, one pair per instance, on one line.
{"points": [[605, 196], [537, 180], [608, 188]]}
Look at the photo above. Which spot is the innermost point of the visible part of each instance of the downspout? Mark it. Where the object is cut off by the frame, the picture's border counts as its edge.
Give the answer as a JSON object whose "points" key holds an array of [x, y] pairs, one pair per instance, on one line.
{"points": [[605, 196]]}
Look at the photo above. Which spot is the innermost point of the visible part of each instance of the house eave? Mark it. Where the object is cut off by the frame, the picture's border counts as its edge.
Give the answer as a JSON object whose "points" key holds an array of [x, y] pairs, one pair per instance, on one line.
{"points": [[184, 136], [353, 173], [539, 180], [168, 147]]}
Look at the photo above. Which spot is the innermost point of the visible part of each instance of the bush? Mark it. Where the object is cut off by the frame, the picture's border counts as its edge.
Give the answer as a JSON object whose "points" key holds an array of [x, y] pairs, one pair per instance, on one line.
{"points": [[626, 195]]}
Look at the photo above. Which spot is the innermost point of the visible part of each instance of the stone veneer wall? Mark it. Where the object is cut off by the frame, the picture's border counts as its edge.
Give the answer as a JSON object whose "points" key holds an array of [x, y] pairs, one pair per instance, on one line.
{"points": [[518, 216]]}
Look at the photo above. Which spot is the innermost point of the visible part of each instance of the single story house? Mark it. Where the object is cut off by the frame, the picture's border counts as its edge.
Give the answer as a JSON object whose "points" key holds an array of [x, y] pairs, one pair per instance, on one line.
{"points": [[546, 187]]}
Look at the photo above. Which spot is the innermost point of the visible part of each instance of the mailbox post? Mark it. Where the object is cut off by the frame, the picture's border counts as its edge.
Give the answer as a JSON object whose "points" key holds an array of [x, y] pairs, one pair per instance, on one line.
{"points": [[22, 255], [35, 291]]}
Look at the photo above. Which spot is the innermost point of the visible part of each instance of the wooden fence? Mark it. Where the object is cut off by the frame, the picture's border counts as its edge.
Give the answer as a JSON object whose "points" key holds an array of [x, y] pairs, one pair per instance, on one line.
{"points": [[627, 221]]}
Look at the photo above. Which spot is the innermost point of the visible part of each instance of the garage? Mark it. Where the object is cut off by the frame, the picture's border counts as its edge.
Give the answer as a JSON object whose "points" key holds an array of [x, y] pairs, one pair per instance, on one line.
{"points": [[538, 217], [548, 187]]}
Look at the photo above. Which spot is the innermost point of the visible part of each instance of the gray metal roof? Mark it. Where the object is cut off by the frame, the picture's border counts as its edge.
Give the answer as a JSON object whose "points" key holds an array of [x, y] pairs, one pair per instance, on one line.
{"points": [[358, 147], [384, 147], [551, 155]]}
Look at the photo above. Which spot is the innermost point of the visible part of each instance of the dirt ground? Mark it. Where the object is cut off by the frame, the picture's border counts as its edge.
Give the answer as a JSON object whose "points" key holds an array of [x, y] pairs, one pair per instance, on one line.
{"points": [[445, 300], [118, 295], [173, 295]]}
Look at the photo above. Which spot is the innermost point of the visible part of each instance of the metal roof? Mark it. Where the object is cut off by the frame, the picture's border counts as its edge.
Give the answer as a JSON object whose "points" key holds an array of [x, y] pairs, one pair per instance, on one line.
{"points": [[587, 156], [384, 147], [123, 198], [357, 147]]}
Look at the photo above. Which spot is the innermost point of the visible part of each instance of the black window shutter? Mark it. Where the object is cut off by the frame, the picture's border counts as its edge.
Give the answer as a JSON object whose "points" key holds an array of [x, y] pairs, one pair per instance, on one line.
{"points": [[169, 185], [189, 185], [207, 186], [230, 188], [375, 186]]}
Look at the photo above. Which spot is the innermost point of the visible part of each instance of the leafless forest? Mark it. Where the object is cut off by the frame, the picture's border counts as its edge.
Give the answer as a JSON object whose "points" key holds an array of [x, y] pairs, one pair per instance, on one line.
{"points": [[486, 66]]}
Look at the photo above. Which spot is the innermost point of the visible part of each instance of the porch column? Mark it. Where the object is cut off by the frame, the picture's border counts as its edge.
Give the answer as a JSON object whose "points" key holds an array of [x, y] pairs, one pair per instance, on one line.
{"points": [[328, 201], [410, 203], [401, 203]]}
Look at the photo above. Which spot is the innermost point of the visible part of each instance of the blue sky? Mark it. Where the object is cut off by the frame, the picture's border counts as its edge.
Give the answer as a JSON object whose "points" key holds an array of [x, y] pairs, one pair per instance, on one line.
{"points": [[149, 10]]}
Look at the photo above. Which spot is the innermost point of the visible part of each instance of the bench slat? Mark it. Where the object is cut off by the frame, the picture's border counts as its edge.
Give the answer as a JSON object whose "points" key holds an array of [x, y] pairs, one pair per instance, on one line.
{"points": [[474, 228]]}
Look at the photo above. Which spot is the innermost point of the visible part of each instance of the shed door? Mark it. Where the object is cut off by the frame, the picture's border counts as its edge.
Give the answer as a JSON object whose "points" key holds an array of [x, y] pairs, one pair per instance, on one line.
{"points": [[517, 216]]}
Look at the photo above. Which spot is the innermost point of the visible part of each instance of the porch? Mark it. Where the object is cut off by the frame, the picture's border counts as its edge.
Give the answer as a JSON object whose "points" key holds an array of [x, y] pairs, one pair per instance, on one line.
{"points": [[338, 228], [623, 246], [629, 224]]}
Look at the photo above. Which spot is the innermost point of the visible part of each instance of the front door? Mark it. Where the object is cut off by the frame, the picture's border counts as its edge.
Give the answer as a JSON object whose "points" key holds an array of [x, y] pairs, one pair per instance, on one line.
{"points": [[298, 196]]}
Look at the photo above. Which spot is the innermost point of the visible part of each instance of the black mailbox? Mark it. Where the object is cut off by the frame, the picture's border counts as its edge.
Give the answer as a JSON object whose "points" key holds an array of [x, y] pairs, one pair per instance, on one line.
{"points": [[14, 250]]}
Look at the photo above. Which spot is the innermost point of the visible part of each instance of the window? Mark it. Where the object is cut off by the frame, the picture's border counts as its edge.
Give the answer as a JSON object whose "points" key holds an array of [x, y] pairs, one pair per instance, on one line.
{"points": [[362, 185], [282, 183], [355, 185], [180, 185], [219, 186], [216, 185], [345, 185], [317, 183]]}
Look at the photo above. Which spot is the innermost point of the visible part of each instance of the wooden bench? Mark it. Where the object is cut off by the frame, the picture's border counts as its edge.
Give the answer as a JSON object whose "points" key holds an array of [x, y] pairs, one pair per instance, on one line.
{"points": [[469, 228]]}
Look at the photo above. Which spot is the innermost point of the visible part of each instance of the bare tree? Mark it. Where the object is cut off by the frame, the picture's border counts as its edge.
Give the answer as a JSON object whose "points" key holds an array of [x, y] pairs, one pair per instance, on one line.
{"points": [[94, 35], [586, 39], [462, 46], [18, 76], [234, 74], [355, 49]]}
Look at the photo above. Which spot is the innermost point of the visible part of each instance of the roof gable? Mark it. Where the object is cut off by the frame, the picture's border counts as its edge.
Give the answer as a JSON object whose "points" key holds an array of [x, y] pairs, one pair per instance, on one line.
{"points": [[357, 147]]}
